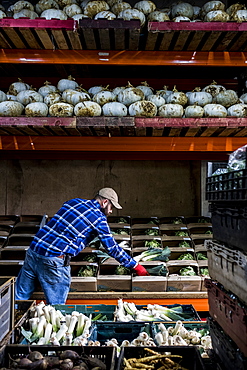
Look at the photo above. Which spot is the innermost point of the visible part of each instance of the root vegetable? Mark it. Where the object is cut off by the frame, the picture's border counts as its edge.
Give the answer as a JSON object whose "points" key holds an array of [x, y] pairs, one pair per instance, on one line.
{"points": [[35, 355], [69, 354]]}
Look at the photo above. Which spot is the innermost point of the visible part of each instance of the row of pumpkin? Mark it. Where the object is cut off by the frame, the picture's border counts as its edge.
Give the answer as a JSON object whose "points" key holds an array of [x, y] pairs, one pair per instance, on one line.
{"points": [[67, 99], [111, 9]]}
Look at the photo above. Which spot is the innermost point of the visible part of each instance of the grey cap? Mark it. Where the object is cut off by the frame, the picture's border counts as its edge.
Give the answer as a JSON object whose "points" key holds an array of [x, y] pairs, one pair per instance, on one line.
{"points": [[111, 195]]}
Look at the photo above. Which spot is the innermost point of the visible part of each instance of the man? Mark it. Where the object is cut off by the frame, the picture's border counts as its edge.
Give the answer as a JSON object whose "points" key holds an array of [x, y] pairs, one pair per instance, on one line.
{"points": [[69, 231]]}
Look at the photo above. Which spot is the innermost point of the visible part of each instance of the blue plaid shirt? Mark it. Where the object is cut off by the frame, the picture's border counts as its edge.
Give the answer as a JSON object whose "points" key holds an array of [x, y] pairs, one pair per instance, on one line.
{"points": [[76, 223]]}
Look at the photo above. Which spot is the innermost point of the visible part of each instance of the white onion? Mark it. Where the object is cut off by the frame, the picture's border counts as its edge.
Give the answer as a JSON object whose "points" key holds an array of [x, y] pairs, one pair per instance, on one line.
{"points": [[87, 109]]}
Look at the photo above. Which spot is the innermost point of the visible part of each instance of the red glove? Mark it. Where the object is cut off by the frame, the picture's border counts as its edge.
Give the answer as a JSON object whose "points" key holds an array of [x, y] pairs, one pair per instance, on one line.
{"points": [[141, 271]]}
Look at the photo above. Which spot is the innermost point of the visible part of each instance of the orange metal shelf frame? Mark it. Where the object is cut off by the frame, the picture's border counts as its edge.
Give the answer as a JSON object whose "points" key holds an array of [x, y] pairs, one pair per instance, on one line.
{"points": [[123, 144], [125, 57]]}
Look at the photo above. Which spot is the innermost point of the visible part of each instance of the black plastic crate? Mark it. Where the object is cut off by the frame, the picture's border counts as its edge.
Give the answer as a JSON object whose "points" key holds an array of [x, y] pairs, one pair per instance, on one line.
{"points": [[225, 348], [190, 360], [229, 224], [105, 354], [230, 186], [188, 311]]}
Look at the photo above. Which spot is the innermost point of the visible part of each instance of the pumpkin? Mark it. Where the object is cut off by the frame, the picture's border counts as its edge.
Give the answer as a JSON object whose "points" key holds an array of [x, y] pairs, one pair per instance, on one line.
{"points": [[25, 13], [87, 109], [29, 96], [145, 88], [158, 16], [129, 14], [19, 5], [210, 6], [243, 98], [18, 86], [67, 83], [171, 111], [193, 111], [164, 92], [63, 3], [61, 110], [72, 9], [199, 97], [158, 100], [106, 14], [93, 7], [177, 97], [11, 109], [143, 108], [215, 110], [226, 98], [47, 88], [217, 16], [36, 110], [3, 96], [181, 19], [232, 9], [119, 7], [77, 17], [11, 97], [114, 109], [2, 14], [103, 97], [145, 6], [52, 98], [95, 89], [117, 89], [45, 4], [130, 95], [240, 16], [214, 88], [53, 14], [182, 10], [196, 12], [73, 97], [237, 110]]}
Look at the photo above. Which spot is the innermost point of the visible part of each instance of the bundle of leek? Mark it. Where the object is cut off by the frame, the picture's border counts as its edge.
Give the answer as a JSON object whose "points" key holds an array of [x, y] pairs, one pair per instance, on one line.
{"points": [[154, 254]]}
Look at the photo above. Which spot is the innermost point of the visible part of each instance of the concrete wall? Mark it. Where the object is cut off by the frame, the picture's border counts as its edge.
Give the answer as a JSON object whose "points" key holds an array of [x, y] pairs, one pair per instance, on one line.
{"points": [[146, 188]]}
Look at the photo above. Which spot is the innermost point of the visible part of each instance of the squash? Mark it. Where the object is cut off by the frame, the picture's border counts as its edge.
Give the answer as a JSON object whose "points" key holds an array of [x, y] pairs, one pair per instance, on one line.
{"points": [[117, 89], [63, 3], [158, 100], [177, 97], [3, 96], [11, 97], [215, 110], [145, 6], [45, 4], [93, 7], [237, 110], [2, 14], [243, 98], [143, 108], [52, 98], [19, 5], [181, 19], [114, 109], [182, 9], [217, 16], [103, 97], [227, 98], [73, 96], [47, 88], [61, 110], [18, 86], [145, 88], [171, 111], [210, 6], [240, 16], [192, 111], [53, 14], [25, 13], [67, 83], [120, 6], [87, 109], [106, 14], [158, 16], [26, 97], [72, 9], [129, 14], [11, 109], [95, 89], [77, 17], [214, 88], [199, 97], [36, 110], [232, 9], [130, 95], [164, 92]]}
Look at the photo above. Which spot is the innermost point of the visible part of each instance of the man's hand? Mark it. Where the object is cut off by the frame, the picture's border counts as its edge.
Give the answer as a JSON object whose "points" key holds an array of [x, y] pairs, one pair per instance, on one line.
{"points": [[140, 270]]}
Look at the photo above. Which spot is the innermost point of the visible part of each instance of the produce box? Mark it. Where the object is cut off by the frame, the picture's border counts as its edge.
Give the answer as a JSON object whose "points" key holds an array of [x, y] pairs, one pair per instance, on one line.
{"points": [[225, 348], [176, 245], [179, 220], [148, 221], [149, 283], [230, 186], [5, 230], [229, 313], [143, 241], [89, 309], [83, 283], [178, 283], [120, 220], [201, 220], [120, 331], [7, 265], [191, 358], [188, 311], [120, 229], [228, 267], [195, 229], [108, 280], [25, 228], [230, 224], [174, 230], [22, 315], [19, 240], [14, 252], [9, 219], [179, 252], [7, 291], [150, 230], [105, 354], [3, 240]]}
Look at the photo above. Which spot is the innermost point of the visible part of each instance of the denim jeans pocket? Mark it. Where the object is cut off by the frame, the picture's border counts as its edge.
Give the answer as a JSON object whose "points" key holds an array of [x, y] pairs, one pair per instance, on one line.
{"points": [[52, 271]]}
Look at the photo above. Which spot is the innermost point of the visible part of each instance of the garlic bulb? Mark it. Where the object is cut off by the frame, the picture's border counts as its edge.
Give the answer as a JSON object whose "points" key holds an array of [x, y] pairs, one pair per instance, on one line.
{"points": [[114, 109], [47, 88], [130, 95], [87, 109], [61, 110], [177, 97], [226, 98], [52, 98], [3, 96], [143, 108], [182, 10], [25, 13], [119, 7], [67, 83], [240, 16], [53, 14], [158, 16], [11, 109], [129, 14], [36, 110], [158, 100], [19, 5], [72, 9], [18, 86], [145, 6], [217, 16], [171, 111], [95, 6], [215, 110], [103, 97], [105, 14], [45, 4], [193, 111], [237, 110], [214, 88], [29, 96], [74, 97]]}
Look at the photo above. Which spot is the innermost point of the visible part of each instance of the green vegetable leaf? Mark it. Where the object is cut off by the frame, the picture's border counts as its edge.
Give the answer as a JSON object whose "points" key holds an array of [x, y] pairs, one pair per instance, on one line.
{"points": [[187, 271], [159, 270], [186, 256]]}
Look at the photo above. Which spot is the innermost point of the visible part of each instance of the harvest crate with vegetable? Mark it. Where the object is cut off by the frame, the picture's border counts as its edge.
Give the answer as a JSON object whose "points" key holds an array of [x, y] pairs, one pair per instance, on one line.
{"points": [[147, 221], [83, 276], [179, 220], [156, 282], [183, 276], [113, 277]]}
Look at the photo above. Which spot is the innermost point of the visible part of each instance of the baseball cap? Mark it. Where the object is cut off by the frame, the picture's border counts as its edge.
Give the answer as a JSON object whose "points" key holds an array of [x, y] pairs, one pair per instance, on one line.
{"points": [[111, 195]]}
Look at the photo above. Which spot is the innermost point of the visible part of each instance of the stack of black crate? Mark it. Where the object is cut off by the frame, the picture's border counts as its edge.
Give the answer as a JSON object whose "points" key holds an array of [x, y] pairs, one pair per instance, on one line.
{"points": [[227, 264]]}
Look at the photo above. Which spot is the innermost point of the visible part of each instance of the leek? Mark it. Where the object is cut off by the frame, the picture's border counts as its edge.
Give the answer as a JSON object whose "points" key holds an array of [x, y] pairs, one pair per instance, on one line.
{"points": [[48, 331], [61, 332]]}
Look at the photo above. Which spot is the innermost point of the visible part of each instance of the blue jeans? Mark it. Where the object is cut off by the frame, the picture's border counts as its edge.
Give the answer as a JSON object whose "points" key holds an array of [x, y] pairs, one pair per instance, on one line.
{"points": [[53, 276]]}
